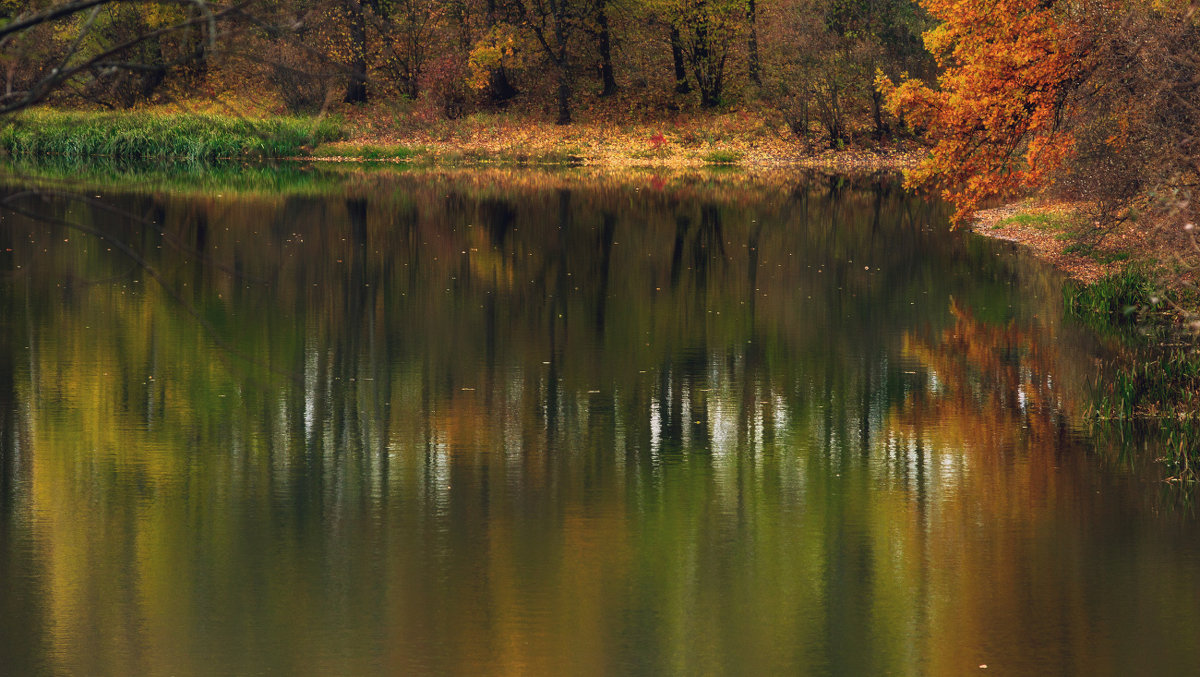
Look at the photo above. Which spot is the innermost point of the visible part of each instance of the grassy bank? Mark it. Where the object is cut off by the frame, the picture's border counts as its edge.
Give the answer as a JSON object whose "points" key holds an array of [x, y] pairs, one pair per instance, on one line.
{"points": [[384, 135], [179, 136]]}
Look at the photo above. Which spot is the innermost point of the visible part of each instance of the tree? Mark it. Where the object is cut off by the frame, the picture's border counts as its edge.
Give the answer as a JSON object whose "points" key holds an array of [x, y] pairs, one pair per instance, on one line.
{"points": [[553, 24], [406, 28], [879, 35], [603, 33], [706, 30], [752, 43], [995, 117], [356, 25], [87, 46]]}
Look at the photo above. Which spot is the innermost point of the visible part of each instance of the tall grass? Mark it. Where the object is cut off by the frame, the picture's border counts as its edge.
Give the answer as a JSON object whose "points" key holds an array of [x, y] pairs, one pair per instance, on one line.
{"points": [[1119, 298], [1157, 381], [188, 137]]}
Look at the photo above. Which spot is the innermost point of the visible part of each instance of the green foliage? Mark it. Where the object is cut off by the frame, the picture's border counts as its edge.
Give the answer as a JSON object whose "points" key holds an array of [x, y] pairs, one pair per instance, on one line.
{"points": [[1116, 299], [1039, 221], [723, 157], [141, 135], [1158, 382]]}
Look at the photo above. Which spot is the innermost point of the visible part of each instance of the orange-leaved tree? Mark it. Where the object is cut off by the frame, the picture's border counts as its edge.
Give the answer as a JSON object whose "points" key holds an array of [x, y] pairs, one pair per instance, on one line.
{"points": [[1009, 67]]}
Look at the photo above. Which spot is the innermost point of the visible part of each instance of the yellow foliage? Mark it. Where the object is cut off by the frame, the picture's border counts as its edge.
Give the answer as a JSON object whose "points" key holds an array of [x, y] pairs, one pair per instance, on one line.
{"points": [[497, 48]]}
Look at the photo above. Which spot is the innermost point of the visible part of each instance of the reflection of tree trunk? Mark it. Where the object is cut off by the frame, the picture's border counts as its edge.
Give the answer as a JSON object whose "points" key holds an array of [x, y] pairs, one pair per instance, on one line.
{"points": [[708, 245], [609, 83], [9, 471], [670, 405], [201, 246], [356, 89], [681, 82], [682, 225], [752, 47], [864, 414], [607, 233], [19, 601], [752, 245], [557, 307], [752, 353]]}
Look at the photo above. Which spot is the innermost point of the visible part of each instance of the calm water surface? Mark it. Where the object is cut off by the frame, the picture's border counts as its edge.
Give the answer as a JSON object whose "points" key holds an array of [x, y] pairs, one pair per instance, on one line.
{"points": [[531, 424]]}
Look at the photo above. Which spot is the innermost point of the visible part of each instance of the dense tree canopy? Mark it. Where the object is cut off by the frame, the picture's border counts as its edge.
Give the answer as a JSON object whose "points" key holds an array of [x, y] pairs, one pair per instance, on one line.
{"points": [[810, 61], [1099, 100]]}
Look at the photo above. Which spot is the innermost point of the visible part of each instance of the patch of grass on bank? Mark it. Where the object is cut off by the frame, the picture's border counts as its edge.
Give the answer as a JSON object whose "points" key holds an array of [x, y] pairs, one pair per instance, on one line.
{"points": [[187, 137], [1037, 221], [723, 157]]}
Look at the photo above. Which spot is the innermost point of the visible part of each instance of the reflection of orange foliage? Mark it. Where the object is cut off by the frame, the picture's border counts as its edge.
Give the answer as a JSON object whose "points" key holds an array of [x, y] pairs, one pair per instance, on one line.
{"points": [[990, 377], [989, 430]]}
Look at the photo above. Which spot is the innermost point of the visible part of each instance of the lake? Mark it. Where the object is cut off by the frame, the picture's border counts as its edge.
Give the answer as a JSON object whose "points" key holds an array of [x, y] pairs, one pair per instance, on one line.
{"points": [[334, 422]]}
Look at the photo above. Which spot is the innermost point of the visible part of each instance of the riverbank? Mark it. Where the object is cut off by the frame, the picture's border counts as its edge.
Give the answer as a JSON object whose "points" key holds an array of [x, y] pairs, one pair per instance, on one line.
{"points": [[735, 139], [1066, 236], [1135, 284]]}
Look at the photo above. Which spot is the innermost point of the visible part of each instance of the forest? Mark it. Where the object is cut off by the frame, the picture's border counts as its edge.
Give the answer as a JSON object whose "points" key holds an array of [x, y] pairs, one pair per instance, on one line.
{"points": [[811, 63], [1097, 99]]}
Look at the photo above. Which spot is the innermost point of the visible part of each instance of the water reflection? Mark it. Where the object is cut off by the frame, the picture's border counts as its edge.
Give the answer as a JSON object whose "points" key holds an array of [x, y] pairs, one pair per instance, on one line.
{"points": [[439, 424]]}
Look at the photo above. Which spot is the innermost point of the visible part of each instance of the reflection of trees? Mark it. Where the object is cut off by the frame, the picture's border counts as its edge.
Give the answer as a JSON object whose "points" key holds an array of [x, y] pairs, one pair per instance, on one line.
{"points": [[558, 431], [981, 440], [987, 378]]}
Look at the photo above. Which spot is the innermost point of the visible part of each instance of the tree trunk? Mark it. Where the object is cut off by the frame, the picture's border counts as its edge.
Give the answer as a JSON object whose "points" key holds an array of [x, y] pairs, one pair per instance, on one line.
{"points": [[833, 121], [681, 81], [881, 125], [564, 94], [499, 88], [752, 16], [605, 39], [560, 60], [706, 68], [356, 89]]}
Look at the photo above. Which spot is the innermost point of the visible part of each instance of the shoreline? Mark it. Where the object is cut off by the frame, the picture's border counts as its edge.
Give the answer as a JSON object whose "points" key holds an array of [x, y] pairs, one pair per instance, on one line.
{"points": [[849, 160], [716, 141], [1134, 287], [1046, 230]]}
